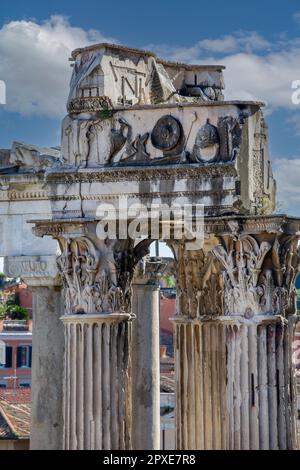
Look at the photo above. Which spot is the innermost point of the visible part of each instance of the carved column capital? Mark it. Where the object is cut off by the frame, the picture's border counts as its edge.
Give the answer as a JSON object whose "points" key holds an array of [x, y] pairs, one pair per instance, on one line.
{"points": [[259, 272], [149, 271], [35, 271], [94, 278], [199, 283]]}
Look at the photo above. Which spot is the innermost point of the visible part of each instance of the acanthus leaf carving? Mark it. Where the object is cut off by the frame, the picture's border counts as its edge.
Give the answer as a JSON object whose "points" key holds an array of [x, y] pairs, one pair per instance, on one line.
{"points": [[199, 283], [90, 277], [258, 274]]}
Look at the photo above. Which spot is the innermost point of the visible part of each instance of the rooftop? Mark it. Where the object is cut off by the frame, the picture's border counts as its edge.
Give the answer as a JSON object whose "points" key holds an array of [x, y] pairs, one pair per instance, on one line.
{"points": [[15, 406], [132, 50], [167, 383]]}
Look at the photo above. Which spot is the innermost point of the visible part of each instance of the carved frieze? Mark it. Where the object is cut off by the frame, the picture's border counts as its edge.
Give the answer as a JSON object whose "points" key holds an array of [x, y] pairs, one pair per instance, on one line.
{"points": [[119, 136], [79, 136], [120, 173], [137, 152], [89, 104]]}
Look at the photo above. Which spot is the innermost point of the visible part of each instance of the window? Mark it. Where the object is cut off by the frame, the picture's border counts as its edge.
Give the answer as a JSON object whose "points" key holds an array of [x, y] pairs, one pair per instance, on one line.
{"points": [[8, 363], [24, 385], [24, 356], [6, 357]]}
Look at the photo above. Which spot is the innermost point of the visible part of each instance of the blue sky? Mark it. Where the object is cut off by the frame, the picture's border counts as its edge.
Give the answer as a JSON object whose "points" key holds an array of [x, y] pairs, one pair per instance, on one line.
{"points": [[258, 41]]}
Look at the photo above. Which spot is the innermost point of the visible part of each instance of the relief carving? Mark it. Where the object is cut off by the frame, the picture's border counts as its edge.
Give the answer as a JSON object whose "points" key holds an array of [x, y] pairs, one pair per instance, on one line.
{"points": [[136, 151], [217, 143], [166, 134], [207, 144], [119, 138], [78, 136], [89, 104], [230, 132]]}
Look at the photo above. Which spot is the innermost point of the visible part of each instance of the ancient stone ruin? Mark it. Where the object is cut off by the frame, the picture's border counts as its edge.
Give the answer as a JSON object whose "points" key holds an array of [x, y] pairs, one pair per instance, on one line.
{"points": [[159, 133]]}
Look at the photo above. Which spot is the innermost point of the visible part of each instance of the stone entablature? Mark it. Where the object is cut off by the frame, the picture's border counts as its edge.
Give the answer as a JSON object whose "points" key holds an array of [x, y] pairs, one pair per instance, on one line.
{"points": [[23, 196], [34, 270]]}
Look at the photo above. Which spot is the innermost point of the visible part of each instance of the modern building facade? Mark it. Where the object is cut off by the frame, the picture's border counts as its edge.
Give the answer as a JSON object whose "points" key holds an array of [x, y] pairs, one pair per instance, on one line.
{"points": [[16, 338]]}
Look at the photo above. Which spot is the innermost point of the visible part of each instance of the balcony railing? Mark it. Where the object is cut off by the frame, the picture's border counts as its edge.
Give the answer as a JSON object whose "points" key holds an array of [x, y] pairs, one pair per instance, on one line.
{"points": [[15, 325]]}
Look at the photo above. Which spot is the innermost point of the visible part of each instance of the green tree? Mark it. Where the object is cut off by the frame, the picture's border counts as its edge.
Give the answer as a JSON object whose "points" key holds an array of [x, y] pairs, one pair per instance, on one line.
{"points": [[2, 280], [170, 281], [16, 312], [3, 310], [13, 299]]}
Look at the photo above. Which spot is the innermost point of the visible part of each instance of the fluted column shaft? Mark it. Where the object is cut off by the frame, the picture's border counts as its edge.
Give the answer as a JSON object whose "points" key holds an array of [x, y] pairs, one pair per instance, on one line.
{"points": [[97, 397], [263, 405], [235, 384], [200, 365]]}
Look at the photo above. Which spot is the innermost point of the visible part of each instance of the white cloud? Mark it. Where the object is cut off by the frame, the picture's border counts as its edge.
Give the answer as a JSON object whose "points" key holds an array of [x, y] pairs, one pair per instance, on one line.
{"points": [[268, 78], [240, 41], [34, 63], [287, 175], [248, 41], [296, 17], [294, 120], [255, 68]]}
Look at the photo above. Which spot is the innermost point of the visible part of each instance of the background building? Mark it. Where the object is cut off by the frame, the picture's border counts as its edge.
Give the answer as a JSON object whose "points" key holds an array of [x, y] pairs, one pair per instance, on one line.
{"points": [[16, 336]]}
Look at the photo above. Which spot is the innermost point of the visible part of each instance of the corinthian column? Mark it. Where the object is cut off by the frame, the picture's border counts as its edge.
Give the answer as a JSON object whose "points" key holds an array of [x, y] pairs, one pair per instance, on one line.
{"points": [[259, 307], [96, 277], [200, 353], [234, 330], [145, 355], [41, 275]]}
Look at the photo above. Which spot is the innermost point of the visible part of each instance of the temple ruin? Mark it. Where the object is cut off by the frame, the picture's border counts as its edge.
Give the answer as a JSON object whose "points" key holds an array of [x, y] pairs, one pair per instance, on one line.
{"points": [[155, 132]]}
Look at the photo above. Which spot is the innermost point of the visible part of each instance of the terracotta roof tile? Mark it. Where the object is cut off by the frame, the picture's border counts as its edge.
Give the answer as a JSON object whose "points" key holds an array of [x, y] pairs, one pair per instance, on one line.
{"points": [[15, 406], [167, 383]]}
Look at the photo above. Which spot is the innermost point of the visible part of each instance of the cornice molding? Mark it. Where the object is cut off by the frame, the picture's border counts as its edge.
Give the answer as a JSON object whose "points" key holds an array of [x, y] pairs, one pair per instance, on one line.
{"points": [[226, 225], [141, 173]]}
